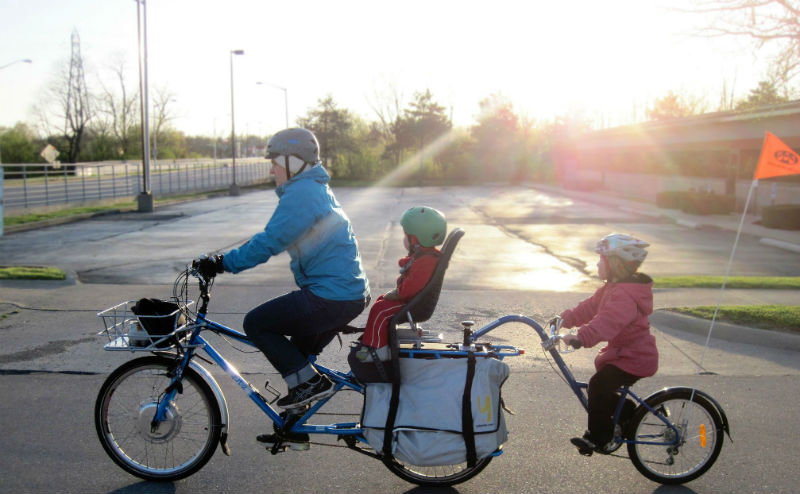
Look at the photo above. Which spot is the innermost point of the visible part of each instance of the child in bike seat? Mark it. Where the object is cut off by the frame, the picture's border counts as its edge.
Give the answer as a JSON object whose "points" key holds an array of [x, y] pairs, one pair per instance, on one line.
{"points": [[617, 313], [424, 228]]}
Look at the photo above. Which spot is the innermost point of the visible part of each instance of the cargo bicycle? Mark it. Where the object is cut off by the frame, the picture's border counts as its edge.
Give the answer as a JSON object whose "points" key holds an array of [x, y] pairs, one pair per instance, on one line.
{"points": [[162, 416]]}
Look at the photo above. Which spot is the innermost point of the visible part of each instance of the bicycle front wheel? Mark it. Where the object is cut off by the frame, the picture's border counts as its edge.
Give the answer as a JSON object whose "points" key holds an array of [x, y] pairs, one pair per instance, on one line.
{"points": [[441, 476], [682, 454], [174, 448]]}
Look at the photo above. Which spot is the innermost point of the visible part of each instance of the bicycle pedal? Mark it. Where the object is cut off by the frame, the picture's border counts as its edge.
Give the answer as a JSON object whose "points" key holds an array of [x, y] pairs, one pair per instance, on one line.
{"points": [[298, 410], [283, 447]]}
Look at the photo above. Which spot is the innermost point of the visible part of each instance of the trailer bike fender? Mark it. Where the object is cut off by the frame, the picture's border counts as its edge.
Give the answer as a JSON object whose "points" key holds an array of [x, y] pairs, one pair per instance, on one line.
{"points": [[223, 404], [697, 392]]}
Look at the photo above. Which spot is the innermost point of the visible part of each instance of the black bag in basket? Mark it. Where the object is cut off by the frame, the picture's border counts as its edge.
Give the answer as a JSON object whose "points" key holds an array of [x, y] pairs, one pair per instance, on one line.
{"points": [[159, 317]]}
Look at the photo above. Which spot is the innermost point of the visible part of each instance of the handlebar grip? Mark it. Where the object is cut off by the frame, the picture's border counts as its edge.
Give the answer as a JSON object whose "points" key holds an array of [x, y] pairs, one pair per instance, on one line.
{"points": [[576, 344]]}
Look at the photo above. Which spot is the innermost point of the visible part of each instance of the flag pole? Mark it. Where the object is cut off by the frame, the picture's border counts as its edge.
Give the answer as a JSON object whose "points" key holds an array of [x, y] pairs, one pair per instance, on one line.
{"points": [[753, 185]]}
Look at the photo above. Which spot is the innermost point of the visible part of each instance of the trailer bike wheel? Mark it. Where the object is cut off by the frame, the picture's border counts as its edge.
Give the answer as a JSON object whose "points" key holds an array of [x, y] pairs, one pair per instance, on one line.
{"points": [[682, 454], [174, 448], [442, 476]]}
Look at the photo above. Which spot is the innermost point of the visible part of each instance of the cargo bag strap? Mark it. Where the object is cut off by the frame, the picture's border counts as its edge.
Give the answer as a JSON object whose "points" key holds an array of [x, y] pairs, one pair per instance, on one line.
{"points": [[394, 402], [466, 413], [379, 365]]}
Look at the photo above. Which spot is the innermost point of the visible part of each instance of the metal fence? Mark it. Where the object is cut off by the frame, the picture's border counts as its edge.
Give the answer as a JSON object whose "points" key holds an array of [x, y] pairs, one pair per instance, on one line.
{"points": [[35, 186]]}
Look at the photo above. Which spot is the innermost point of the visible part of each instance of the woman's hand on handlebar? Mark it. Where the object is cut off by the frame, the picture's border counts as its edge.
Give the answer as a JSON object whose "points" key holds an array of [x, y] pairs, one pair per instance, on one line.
{"points": [[208, 266]]}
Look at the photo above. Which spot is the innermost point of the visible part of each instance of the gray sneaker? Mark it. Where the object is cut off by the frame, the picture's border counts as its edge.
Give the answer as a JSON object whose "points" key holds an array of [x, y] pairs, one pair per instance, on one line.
{"points": [[316, 388]]}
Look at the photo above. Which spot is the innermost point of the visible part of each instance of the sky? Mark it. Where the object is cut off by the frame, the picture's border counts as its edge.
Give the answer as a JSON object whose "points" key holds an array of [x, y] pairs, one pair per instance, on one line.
{"points": [[606, 60]]}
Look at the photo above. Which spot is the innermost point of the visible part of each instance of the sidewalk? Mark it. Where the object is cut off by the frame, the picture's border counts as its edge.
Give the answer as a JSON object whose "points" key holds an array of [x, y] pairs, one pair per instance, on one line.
{"points": [[783, 239]]}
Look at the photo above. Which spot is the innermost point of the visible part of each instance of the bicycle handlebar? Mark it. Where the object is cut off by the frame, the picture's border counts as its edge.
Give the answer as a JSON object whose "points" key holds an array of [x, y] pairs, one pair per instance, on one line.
{"points": [[555, 338]]}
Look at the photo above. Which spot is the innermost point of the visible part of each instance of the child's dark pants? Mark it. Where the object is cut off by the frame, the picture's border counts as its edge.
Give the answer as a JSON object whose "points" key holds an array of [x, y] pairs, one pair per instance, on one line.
{"points": [[603, 400]]}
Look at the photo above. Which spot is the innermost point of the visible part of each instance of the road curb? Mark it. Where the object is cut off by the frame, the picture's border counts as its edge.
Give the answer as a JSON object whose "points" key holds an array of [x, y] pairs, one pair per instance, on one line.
{"points": [[671, 321], [781, 244]]}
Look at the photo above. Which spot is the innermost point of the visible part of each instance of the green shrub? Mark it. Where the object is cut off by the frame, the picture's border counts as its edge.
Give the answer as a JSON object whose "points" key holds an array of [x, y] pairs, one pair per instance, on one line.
{"points": [[782, 216], [671, 199], [707, 203]]}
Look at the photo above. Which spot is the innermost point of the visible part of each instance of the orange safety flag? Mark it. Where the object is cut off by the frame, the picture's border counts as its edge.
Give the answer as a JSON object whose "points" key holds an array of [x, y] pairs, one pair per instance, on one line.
{"points": [[777, 159]]}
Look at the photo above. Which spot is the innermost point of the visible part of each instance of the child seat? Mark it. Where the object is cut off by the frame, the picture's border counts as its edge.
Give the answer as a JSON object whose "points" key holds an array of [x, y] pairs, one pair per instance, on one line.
{"points": [[422, 306], [419, 309]]}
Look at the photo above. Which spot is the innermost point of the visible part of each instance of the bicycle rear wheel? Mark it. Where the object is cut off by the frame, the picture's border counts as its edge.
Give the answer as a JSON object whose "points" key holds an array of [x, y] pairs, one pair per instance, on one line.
{"points": [[700, 430], [439, 475], [175, 448]]}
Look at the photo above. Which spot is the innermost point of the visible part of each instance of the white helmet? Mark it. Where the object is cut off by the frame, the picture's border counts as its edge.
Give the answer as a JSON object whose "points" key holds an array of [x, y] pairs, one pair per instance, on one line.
{"points": [[623, 246]]}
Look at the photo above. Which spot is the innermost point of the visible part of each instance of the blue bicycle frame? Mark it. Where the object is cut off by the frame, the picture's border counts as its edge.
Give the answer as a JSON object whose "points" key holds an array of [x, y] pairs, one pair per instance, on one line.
{"points": [[341, 380]]}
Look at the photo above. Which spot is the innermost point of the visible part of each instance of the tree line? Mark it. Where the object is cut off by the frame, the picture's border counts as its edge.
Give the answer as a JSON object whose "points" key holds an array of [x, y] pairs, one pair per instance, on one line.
{"points": [[500, 145]]}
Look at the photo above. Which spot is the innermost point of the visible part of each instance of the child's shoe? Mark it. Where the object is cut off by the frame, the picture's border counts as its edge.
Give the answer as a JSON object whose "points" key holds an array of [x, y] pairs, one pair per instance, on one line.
{"points": [[586, 446]]}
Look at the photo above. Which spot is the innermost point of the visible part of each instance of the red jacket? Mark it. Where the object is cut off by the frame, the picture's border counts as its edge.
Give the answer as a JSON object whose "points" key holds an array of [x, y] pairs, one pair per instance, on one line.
{"points": [[617, 313], [415, 276]]}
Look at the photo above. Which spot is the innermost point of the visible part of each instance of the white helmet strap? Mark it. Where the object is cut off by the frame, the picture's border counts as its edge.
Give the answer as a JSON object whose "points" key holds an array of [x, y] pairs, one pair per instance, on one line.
{"points": [[292, 164]]}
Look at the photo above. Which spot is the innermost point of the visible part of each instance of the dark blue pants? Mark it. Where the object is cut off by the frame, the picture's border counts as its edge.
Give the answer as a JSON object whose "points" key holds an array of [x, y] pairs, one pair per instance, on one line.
{"points": [[289, 328]]}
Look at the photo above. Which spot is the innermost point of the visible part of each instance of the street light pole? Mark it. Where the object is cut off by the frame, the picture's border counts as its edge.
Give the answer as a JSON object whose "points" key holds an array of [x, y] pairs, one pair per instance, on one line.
{"points": [[23, 60], [234, 190], [285, 98], [145, 199]]}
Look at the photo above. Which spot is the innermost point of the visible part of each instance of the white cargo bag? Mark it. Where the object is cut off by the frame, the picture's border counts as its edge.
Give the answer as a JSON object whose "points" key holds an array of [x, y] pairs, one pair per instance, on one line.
{"points": [[428, 427]]}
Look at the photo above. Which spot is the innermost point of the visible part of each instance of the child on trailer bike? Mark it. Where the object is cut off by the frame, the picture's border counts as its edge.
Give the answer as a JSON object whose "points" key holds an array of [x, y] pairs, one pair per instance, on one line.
{"points": [[618, 314], [423, 229], [313, 228]]}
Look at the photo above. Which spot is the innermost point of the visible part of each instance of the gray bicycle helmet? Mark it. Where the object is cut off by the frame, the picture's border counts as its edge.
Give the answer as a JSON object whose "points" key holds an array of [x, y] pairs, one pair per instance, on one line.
{"points": [[294, 142], [625, 247]]}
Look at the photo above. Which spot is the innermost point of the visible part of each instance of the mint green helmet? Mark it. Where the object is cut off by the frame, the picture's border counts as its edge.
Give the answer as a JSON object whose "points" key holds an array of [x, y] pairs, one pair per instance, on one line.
{"points": [[427, 224]]}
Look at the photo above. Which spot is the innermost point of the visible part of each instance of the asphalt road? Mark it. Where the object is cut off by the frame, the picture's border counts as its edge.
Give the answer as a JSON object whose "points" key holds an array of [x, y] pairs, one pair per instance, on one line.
{"points": [[524, 252]]}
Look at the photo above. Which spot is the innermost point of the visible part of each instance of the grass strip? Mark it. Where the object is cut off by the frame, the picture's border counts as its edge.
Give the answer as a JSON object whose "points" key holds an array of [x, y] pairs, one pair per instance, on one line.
{"points": [[123, 205], [761, 282], [775, 317], [64, 213], [31, 273]]}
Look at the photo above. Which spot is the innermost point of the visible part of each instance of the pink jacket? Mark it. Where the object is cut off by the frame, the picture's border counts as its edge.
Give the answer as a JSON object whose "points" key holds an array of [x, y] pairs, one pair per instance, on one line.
{"points": [[617, 313]]}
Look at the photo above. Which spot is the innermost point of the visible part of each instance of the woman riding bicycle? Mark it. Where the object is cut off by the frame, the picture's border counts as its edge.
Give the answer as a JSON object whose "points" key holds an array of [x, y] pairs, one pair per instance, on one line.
{"points": [[313, 228]]}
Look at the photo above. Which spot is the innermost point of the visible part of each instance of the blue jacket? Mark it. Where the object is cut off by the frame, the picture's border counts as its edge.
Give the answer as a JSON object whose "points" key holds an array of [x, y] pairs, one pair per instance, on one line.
{"points": [[313, 228]]}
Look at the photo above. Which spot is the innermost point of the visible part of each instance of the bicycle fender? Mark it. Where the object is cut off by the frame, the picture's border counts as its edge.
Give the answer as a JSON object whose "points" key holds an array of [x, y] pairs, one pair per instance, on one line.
{"points": [[221, 402], [706, 396]]}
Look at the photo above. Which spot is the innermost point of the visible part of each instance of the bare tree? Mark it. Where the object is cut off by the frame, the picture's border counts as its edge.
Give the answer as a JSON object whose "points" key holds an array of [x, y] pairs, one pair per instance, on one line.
{"points": [[727, 100], [765, 22], [388, 107], [674, 105], [117, 108], [162, 113]]}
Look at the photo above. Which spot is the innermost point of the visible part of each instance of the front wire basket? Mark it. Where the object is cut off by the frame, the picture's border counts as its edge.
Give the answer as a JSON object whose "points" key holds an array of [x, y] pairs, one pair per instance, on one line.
{"points": [[126, 330]]}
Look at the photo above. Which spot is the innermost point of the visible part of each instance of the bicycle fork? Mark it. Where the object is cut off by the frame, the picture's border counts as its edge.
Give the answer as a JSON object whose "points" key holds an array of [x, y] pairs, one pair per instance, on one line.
{"points": [[167, 398]]}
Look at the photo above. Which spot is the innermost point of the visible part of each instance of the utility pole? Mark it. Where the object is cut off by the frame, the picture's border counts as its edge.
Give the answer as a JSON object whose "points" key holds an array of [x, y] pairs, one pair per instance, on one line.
{"points": [[145, 199]]}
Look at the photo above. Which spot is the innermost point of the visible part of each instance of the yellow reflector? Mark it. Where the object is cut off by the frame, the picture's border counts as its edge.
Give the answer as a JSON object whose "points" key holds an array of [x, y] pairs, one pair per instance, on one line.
{"points": [[702, 435]]}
